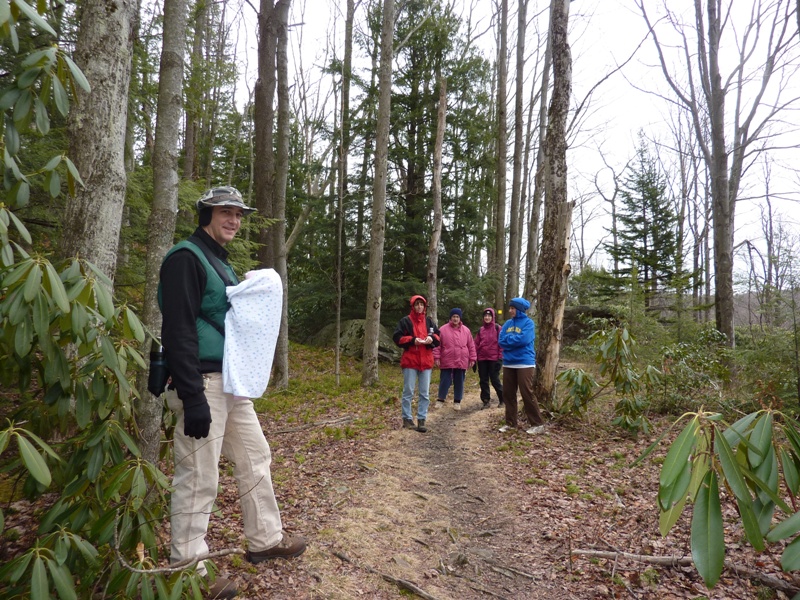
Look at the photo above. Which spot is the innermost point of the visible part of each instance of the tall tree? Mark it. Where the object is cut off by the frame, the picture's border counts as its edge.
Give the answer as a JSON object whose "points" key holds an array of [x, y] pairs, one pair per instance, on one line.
{"points": [[497, 264], [93, 216], [645, 235], [369, 374], [161, 223], [554, 267], [436, 236], [515, 224], [766, 57]]}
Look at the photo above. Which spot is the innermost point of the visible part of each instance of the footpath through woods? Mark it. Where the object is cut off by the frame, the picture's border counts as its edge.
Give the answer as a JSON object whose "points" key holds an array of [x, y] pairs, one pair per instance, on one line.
{"points": [[464, 511]]}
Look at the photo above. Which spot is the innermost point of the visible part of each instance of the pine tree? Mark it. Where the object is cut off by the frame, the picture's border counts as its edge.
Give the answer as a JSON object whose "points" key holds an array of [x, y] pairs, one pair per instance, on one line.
{"points": [[646, 222]]}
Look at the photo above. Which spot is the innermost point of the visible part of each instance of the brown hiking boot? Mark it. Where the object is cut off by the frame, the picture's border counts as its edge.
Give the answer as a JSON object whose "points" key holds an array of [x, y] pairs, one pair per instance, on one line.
{"points": [[222, 588], [288, 547]]}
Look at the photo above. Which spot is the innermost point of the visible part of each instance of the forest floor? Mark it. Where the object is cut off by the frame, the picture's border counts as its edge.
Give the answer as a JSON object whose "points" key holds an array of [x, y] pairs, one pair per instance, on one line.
{"points": [[464, 511]]}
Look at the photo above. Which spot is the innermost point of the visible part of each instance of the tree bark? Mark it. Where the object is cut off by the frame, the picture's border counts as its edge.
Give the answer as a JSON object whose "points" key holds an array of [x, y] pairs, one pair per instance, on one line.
{"points": [[436, 233], [497, 268], [516, 224], [161, 223], [96, 130], [378, 230], [264, 117], [554, 267]]}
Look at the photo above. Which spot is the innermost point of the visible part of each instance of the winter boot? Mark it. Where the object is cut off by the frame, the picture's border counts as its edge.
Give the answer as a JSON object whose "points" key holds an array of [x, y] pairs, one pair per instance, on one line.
{"points": [[421, 426], [408, 424]]}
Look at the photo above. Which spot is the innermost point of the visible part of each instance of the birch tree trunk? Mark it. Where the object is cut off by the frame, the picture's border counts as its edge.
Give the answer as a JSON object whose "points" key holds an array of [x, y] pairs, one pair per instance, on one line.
{"points": [[370, 373], [497, 268], [554, 267], [280, 366], [532, 265], [516, 224], [161, 223], [344, 149], [96, 130], [436, 234]]}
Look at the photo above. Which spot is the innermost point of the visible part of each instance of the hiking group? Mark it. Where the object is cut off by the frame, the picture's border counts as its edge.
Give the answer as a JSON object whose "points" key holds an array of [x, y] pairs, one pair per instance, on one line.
{"points": [[453, 350]]}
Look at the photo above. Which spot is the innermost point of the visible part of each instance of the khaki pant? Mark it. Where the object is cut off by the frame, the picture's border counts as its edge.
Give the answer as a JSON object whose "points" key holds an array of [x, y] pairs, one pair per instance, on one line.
{"points": [[521, 379], [235, 433]]}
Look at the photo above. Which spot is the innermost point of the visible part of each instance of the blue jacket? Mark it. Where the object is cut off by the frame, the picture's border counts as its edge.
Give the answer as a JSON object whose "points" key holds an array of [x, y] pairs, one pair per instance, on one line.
{"points": [[516, 339]]}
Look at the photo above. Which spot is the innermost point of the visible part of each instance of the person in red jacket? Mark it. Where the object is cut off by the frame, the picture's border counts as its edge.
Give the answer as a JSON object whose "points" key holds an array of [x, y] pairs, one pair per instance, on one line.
{"points": [[417, 335], [490, 358], [455, 354]]}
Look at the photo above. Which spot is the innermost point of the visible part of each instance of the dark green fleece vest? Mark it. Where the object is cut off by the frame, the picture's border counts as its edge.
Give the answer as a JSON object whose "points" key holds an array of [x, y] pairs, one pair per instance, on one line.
{"points": [[214, 305]]}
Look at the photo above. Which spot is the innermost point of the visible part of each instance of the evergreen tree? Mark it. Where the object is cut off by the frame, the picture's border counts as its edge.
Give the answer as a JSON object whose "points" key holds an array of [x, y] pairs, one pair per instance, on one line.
{"points": [[646, 222]]}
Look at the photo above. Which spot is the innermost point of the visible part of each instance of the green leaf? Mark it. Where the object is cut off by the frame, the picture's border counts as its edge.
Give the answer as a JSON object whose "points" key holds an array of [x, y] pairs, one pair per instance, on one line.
{"points": [[42, 117], [83, 408], [736, 432], [104, 302], [731, 469], [708, 540], [761, 438], [752, 528], [33, 461], [57, 291], [767, 472], [63, 580], [108, 352], [670, 494], [73, 170], [9, 97], [22, 109], [29, 12], [20, 567], [25, 80], [97, 459], [4, 435], [53, 162], [41, 318], [128, 441], [39, 58], [763, 512], [54, 183], [678, 454], [790, 472], [33, 283], [790, 559], [786, 528], [23, 231], [668, 518], [133, 325], [77, 74], [39, 588], [11, 136], [60, 96], [20, 194]]}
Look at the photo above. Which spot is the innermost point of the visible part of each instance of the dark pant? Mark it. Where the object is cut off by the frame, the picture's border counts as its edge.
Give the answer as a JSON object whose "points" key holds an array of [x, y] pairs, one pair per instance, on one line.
{"points": [[522, 379], [456, 377], [490, 370]]}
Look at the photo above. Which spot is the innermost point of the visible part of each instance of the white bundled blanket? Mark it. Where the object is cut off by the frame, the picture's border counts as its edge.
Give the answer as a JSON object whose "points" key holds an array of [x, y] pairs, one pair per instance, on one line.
{"points": [[251, 333]]}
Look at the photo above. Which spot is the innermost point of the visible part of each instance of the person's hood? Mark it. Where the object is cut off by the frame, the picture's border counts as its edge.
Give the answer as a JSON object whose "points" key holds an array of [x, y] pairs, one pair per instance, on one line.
{"points": [[494, 317], [520, 304], [418, 297]]}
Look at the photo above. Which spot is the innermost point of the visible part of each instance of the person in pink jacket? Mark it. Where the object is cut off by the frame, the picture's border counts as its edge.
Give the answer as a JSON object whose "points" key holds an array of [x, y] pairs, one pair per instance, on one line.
{"points": [[490, 358], [454, 355]]}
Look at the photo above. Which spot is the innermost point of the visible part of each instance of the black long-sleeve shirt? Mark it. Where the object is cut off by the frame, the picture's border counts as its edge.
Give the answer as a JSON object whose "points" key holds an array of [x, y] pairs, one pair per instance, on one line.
{"points": [[183, 283]]}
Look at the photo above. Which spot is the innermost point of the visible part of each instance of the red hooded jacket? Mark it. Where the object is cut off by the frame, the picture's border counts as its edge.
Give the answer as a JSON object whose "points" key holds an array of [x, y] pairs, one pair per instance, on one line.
{"points": [[416, 325]]}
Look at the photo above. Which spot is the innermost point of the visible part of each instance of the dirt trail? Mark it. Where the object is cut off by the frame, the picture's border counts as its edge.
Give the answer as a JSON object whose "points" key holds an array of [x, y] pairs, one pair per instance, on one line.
{"points": [[437, 511]]}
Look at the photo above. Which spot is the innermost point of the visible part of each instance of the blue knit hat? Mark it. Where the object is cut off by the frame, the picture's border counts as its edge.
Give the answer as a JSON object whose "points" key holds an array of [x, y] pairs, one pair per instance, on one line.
{"points": [[520, 304], [455, 311]]}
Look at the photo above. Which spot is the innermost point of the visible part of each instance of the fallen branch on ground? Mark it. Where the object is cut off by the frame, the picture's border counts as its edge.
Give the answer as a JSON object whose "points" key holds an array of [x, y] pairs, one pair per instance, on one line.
{"points": [[403, 584], [674, 561], [338, 421]]}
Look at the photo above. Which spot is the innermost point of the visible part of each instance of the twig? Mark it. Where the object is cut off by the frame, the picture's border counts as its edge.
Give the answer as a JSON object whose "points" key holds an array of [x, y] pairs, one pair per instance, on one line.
{"points": [[483, 590], [401, 583], [512, 570], [674, 561], [337, 421]]}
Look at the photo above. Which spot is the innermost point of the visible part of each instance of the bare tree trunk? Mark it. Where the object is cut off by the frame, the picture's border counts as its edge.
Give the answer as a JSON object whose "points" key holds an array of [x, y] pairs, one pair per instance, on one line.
{"points": [[264, 117], [497, 267], [344, 148], [554, 267], [436, 234], [532, 266], [96, 131], [194, 102], [516, 224], [280, 366], [161, 223], [370, 373]]}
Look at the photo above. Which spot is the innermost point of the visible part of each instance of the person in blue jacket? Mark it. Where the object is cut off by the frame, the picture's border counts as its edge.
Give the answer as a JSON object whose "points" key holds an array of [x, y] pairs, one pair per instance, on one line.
{"points": [[519, 361]]}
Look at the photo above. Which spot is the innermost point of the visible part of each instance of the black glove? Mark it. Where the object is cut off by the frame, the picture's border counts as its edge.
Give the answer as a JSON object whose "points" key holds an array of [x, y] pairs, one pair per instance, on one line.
{"points": [[197, 420], [475, 367]]}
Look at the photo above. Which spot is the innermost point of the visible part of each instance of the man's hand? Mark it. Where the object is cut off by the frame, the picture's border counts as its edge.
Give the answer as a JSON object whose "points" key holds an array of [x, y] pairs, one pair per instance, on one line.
{"points": [[197, 421]]}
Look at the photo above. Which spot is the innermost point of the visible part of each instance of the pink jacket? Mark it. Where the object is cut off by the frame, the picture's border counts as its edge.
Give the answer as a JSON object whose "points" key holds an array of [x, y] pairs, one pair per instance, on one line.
{"points": [[457, 349], [486, 340]]}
